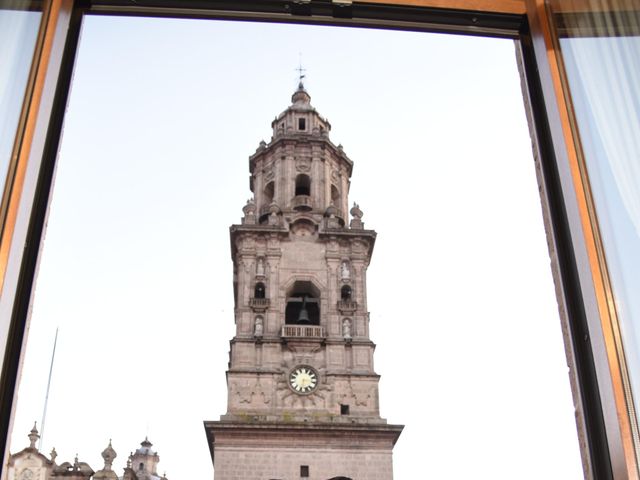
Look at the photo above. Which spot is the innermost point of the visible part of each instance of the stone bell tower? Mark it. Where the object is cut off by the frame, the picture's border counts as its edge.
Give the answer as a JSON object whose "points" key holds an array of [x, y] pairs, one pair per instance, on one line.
{"points": [[302, 390]]}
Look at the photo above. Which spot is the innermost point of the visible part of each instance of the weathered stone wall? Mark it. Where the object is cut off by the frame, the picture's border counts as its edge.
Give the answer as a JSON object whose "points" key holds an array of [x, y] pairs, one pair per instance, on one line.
{"points": [[236, 463]]}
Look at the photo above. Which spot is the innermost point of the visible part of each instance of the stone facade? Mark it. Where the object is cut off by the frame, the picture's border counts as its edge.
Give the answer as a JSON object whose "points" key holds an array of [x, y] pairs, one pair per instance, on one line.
{"points": [[280, 451], [302, 389]]}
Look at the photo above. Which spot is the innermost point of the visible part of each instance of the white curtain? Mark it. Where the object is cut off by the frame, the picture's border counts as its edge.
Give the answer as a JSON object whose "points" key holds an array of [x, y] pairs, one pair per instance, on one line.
{"points": [[609, 71]]}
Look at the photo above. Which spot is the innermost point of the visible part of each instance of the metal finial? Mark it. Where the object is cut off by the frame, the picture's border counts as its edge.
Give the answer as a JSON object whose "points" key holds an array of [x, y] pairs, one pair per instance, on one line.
{"points": [[300, 71]]}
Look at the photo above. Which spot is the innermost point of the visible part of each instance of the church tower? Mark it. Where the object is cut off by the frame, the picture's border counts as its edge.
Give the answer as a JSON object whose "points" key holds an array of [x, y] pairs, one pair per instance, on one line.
{"points": [[302, 389]]}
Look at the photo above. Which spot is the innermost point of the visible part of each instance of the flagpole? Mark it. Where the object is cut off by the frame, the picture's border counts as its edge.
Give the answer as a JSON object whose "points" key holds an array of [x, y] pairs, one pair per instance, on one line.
{"points": [[46, 398]]}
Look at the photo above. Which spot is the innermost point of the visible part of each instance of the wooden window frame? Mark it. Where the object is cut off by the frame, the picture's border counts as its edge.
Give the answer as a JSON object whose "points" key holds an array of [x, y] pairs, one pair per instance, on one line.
{"points": [[603, 420]]}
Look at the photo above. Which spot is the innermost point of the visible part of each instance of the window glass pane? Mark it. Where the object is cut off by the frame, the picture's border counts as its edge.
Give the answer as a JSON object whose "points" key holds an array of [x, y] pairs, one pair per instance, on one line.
{"points": [[601, 52], [18, 32], [153, 168]]}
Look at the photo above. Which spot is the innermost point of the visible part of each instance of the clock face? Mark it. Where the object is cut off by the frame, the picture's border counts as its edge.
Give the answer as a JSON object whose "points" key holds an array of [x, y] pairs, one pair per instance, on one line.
{"points": [[303, 379]]}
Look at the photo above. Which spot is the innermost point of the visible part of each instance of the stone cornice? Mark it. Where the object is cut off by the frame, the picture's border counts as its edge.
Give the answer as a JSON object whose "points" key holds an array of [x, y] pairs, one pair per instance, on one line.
{"points": [[347, 233], [259, 229], [304, 139], [355, 436]]}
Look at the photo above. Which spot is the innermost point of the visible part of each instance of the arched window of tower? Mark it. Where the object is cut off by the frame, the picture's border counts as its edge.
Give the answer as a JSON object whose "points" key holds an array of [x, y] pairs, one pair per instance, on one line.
{"points": [[345, 293], [269, 192], [268, 195], [335, 196], [259, 291], [303, 305], [303, 185]]}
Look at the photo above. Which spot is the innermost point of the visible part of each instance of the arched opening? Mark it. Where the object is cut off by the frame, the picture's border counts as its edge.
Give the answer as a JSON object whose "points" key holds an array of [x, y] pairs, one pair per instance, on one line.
{"points": [[345, 293], [335, 196], [259, 290], [303, 305], [303, 185], [340, 478], [269, 192]]}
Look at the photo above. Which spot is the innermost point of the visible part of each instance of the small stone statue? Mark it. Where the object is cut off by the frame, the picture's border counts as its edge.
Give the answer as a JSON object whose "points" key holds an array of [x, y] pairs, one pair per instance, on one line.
{"points": [[257, 332], [345, 272], [260, 267], [346, 329]]}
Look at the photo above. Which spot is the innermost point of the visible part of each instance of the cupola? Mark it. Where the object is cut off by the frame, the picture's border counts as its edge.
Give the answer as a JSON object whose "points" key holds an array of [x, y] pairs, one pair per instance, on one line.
{"points": [[300, 172]]}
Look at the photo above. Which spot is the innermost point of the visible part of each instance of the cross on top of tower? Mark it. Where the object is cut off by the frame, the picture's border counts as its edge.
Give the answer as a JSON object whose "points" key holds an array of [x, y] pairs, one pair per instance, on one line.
{"points": [[301, 75]]}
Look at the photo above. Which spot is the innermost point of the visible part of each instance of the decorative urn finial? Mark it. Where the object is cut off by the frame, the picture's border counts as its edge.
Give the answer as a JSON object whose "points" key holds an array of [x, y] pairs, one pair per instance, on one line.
{"points": [[34, 436], [356, 213], [109, 454]]}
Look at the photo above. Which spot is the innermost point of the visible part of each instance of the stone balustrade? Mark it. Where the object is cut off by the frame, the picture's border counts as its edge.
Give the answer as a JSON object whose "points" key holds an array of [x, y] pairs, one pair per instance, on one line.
{"points": [[347, 306], [302, 331], [302, 203], [259, 303]]}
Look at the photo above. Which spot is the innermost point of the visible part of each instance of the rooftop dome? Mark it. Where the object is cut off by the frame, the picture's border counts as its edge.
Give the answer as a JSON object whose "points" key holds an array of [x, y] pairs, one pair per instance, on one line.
{"points": [[300, 96], [145, 447]]}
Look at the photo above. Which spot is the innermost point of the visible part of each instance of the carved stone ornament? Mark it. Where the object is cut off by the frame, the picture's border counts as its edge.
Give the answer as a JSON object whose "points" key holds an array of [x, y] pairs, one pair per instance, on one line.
{"points": [[356, 221], [359, 246], [335, 176], [109, 454], [274, 214], [303, 164], [361, 394], [249, 211], [26, 474], [356, 212], [250, 392]]}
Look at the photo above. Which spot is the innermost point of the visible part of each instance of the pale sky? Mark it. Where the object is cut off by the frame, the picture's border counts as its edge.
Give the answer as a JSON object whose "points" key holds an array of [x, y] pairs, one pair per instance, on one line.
{"points": [[153, 169]]}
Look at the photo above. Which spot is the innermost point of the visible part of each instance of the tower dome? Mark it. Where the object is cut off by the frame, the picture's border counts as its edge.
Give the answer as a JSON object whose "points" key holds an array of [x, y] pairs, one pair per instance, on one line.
{"points": [[300, 170], [300, 96], [145, 461]]}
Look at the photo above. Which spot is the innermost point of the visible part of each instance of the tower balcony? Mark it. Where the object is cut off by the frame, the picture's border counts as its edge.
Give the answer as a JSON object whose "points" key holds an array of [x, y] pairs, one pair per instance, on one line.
{"points": [[347, 306], [302, 331], [259, 304], [302, 203]]}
